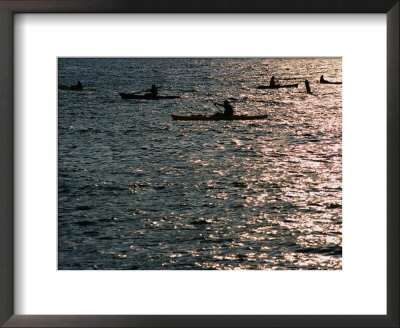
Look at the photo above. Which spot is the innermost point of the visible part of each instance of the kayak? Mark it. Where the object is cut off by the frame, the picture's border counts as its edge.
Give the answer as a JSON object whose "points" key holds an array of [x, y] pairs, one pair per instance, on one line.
{"points": [[328, 82], [146, 96], [217, 117], [277, 86], [73, 88]]}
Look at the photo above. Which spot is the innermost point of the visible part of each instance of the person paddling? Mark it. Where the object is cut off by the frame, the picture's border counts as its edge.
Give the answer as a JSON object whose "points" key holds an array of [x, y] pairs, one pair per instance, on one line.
{"points": [[79, 85], [272, 82], [153, 91], [227, 106], [322, 80]]}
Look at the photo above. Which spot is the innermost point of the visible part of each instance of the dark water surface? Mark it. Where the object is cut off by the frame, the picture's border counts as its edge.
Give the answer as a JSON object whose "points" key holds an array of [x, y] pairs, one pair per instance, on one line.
{"points": [[137, 190]]}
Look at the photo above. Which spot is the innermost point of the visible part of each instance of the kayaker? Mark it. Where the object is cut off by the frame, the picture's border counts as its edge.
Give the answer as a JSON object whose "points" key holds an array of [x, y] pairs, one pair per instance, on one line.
{"points": [[79, 85], [153, 91], [308, 88], [228, 108], [272, 82], [322, 80]]}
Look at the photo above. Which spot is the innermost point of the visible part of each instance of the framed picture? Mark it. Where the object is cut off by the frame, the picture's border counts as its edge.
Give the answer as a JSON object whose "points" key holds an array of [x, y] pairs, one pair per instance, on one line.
{"points": [[174, 164]]}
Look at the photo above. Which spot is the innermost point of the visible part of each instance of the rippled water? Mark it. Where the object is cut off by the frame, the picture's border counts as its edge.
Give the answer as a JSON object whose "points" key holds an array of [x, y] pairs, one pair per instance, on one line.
{"points": [[137, 190]]}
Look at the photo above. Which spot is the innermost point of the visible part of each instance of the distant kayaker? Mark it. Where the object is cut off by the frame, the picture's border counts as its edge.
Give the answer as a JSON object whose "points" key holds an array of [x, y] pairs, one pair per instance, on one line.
{"points": [[228, 108], [308, 88], [79, 85], [322, 80], [153, 91], [272, 82]]}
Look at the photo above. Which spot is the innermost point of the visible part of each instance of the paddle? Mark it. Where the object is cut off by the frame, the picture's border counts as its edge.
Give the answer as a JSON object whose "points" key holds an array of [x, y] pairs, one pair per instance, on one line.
{"points": [[133, 93], [148, 90], [215, 104]]}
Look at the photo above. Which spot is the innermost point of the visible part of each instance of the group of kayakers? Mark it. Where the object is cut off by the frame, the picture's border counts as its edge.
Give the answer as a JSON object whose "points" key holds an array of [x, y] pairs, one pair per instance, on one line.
{"points": [[272, 83], [228, 108]]}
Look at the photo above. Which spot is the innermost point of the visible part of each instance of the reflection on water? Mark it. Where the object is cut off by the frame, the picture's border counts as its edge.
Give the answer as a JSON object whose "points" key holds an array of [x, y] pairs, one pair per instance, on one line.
{"points": [[140, 191]]}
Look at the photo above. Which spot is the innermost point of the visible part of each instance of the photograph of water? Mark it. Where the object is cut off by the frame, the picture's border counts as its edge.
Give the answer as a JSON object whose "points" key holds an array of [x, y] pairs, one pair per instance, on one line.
{"points": [[200, 163]]}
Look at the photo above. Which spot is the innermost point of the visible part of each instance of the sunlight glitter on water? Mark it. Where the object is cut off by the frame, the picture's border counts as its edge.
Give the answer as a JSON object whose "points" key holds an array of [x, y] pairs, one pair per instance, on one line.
{"points": [[200, 195]]}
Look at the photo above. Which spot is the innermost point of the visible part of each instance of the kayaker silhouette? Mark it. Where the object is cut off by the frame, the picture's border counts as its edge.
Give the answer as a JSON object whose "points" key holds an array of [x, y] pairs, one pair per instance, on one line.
{"points": [[228, 108], [308, 88], [79, 85], [272, 82], [153, 91], [322, 80]]}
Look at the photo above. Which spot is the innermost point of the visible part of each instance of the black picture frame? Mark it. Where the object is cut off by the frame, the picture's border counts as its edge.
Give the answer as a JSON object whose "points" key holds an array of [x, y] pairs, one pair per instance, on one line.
{"points": [[10, 7]]}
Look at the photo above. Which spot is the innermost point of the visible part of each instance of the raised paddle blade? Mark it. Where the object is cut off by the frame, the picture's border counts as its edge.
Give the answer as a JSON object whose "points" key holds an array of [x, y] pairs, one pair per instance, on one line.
{"points": [[216, 105], [136, 92]]}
